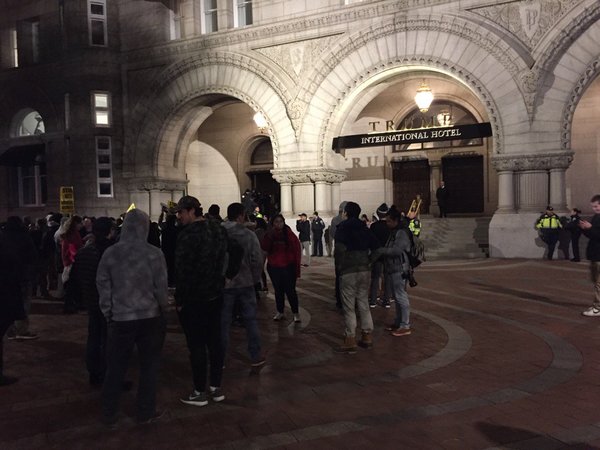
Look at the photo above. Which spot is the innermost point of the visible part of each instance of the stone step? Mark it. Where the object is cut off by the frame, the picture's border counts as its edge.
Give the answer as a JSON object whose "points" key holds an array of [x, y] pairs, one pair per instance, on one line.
{"points": [[460, 237]]}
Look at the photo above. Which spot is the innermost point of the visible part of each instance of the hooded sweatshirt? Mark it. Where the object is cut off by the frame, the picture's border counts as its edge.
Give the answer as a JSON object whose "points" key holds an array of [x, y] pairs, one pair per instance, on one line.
{"points": [[252, 261], [132, 274], [354, 244]]}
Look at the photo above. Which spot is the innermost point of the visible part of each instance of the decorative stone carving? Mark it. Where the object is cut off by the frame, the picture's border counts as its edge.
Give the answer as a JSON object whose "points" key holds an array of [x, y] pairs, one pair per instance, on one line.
{"points": [[308, 175], [589, 75], [545, 161], [202, 43], [149, 184], [297, 59], [528, 20]]}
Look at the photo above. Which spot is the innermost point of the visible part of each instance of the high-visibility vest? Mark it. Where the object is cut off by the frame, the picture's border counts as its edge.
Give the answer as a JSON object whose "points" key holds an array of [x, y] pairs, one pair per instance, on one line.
{"points": [[549, 222], [415, 226]]}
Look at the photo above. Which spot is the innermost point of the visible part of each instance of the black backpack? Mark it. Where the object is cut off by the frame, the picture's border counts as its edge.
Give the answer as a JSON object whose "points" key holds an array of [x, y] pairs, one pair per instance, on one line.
{"points": [[416, 255]]}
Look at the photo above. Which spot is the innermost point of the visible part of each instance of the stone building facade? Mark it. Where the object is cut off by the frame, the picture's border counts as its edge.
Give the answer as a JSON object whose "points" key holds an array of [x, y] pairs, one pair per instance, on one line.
{"points": [[141, 100]]}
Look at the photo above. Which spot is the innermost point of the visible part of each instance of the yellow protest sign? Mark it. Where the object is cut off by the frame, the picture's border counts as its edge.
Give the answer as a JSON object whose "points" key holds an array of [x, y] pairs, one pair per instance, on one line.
{"points": [[67, 200]]}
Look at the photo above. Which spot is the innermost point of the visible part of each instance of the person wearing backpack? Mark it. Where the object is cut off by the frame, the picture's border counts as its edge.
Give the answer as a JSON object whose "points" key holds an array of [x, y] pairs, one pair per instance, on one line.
{"points": [[397, 270], [241, 285]]}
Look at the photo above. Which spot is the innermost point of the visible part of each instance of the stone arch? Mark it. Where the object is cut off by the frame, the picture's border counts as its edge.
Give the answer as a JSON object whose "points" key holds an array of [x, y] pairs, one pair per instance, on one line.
{"points": [[372, 55], [176, 92], [18, 99]]}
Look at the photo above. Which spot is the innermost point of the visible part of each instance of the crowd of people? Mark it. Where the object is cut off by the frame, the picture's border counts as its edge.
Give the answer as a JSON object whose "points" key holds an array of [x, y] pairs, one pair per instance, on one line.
{"points": [[122, 271]]}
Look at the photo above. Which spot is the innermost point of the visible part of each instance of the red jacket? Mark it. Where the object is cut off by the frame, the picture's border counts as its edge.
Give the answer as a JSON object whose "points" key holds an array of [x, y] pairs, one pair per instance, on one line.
{"points": [[69, 246], [279, 252]]}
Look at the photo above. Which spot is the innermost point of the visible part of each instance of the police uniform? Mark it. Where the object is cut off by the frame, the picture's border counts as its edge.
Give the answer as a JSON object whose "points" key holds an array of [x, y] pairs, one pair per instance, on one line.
{"points": [[549, 227]]}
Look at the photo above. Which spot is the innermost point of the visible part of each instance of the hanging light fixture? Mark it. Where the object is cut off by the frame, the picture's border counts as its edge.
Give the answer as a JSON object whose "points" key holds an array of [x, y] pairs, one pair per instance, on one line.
{"points": [[260, 121], [424, 97]]}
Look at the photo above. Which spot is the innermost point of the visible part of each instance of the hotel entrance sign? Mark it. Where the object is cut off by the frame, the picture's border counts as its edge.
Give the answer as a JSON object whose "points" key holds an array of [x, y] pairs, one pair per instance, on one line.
{"points": [[412, 136]]}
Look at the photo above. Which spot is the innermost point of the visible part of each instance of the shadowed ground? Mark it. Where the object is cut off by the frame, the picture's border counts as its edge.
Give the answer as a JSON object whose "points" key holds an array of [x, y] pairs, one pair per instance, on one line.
{"points": [[500, 357]]}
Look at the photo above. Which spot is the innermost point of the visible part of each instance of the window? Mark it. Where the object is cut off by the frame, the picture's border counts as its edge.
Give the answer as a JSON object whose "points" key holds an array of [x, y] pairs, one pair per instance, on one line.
{"points": [[101, 114], [32, 124], [242, 13], [26, 42], [263, 153], [209, 14], [104, 166], [440, 114], [97, 22], [33, 190], [14, 47], [175, 20]]}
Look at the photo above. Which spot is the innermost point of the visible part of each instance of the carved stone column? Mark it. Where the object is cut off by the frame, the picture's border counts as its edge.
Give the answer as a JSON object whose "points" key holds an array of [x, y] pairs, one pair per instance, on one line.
{"points": [[542, 180], [148, 194], [434, 181], [336, 198], [506, 184], [286, 198], [533, 190], [303, 197], [322, 196], [307, 190], [558, 189]]}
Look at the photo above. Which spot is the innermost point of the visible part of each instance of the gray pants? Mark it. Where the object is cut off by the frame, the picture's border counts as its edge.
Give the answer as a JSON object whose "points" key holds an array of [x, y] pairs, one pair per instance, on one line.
{"points": [[595, 275], [306, 252], [354, 288]]}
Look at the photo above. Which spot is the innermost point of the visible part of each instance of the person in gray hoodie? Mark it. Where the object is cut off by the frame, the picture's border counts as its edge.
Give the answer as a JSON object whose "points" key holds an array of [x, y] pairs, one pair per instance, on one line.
{"points": [[132, 290], [241, 287]]}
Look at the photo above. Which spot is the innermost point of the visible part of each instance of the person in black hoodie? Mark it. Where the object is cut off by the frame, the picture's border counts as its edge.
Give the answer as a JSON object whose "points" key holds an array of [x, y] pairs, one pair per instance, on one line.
{"points": [[19, 244], [11, 303], [592, 231], [84, 271], [353, 249]]}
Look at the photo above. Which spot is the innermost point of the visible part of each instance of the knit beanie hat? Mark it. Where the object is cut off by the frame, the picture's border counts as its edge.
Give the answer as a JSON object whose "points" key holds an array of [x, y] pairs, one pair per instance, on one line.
{"points": [[382, 210]]}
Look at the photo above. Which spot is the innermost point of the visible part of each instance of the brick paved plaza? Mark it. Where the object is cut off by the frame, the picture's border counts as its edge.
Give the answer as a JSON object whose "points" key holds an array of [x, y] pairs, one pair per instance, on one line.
{"points": [[500, 357]]}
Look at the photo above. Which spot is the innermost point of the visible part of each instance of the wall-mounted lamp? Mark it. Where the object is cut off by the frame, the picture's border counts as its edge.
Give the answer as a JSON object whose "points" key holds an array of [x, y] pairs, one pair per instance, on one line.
{"points": [[424, 97], [260, 122]]}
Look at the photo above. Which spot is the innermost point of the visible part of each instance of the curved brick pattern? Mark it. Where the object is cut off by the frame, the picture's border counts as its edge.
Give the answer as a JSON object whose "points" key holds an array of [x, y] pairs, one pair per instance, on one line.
{"points": [[500, 357]]}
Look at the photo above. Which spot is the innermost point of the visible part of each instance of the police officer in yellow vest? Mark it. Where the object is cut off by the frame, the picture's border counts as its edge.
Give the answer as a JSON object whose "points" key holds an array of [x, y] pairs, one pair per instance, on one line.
{"points": [[549, 226]]}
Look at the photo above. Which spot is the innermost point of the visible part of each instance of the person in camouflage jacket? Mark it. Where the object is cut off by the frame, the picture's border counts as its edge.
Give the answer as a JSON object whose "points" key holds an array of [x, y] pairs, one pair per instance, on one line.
{"points": [[200, 260]]}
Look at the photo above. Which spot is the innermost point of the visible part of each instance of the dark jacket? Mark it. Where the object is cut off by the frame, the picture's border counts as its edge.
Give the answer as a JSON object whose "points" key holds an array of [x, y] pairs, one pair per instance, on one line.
{"points": [[593, 234], [11, 300], [85, 268], [303, 229], [442, 195], [317, 226], [381, 231], [18, 243], [200, 261], [354, 244]]}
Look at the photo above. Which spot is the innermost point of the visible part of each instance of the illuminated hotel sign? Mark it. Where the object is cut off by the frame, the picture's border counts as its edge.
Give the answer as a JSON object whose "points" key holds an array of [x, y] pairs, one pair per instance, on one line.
{"points": [[412, 136]]}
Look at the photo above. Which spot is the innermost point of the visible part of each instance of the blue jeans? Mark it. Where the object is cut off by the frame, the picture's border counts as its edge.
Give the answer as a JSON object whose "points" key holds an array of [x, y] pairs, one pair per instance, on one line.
{"points": [[398, 287], [247, 301]]}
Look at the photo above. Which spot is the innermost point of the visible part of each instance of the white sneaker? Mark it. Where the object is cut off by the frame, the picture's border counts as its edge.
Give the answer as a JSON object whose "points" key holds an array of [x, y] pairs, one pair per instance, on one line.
{"points": [[297, 318], [592, 311], [278, 316]]}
